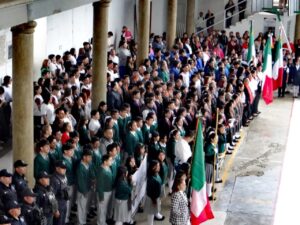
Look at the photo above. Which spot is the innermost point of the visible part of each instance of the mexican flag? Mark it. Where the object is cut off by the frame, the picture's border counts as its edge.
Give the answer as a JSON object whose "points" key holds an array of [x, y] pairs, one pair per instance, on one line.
{"points": [[200, 207], [251, 56], [267, 92], [278, 66]]}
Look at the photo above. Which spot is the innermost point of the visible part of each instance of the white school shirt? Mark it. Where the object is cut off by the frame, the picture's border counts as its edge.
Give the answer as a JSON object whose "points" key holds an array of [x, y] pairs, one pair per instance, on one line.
{"points": [[182, 151]]}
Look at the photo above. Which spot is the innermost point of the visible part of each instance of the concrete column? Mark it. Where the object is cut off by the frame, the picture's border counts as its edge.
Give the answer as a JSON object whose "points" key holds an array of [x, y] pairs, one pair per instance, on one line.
{"points": [[297, 28], [143, 30], [190, 15], [22, 105], [171, 23], [99, 64]]}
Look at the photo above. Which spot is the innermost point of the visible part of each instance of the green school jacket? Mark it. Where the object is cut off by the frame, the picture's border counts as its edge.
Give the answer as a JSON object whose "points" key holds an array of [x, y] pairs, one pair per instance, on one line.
{"points": [[41, 164], [104, 182], [83, 178]]}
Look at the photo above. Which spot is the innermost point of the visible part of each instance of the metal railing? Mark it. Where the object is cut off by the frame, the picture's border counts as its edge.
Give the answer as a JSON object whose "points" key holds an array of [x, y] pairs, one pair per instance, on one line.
{"points": [[222, 12], [221, 21]]}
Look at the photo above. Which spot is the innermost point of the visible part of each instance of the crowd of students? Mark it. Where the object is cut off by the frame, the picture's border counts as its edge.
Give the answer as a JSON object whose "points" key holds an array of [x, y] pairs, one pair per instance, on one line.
{"points": [[85, 157]]}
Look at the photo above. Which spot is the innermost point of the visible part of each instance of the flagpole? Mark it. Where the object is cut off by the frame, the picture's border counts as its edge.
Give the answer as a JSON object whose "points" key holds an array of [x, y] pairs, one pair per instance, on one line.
{"points": [[286, 38], [214, 165]]}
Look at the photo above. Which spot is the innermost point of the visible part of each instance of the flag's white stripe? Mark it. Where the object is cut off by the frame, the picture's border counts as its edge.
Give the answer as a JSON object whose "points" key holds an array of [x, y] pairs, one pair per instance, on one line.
{"points": [[268, 71], [199, 201], [276, 70], [277, 65]]}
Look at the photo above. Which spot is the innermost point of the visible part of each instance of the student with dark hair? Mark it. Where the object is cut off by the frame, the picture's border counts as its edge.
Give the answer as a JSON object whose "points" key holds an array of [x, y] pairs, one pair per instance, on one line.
{"points": [[139, 154], [41, 160], [153, 193], [131, 165], [83, 184], [179, 213], [131, 139], [210, 152], [122, 206], [104, 189]]}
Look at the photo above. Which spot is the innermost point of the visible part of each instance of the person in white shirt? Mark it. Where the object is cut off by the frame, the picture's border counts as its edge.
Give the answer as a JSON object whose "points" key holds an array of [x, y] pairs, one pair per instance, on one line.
{"points": [[113, 56], [183, 150], [110, 41], [185, 75], [94, 124], [7, 85]]}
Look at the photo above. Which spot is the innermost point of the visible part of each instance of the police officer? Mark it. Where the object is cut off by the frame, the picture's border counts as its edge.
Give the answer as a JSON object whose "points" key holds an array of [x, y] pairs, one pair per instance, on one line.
{"points": [[14, 213], [59, 183], [18, 179], [32, 214], [4, 220], [7, 190], [46, 198]]}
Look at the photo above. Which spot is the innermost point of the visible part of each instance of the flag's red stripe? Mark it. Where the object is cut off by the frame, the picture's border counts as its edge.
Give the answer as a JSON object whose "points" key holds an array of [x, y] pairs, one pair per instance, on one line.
{"points": [[268, 90], [278, 83], [205, 215]]}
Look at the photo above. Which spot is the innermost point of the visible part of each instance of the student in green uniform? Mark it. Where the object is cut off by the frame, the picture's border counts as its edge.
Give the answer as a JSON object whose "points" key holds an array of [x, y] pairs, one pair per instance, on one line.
{"points": [[153, 192], [131, 139], [115, 116], [122, 123], [146, 129], [163, 143], [83, 181], [41, 160], [164, 170], [154, 146], [128, 112], [77, 148], [104, 189], [97, 156], [139, 123], [53, 154], [210, 152], [178, 124], [68, 153], [122, 212], [222, 141], [131, 165], [58, 148], [112, 151], [139, 154], [95, 165], [84, 135], [174, 137]]}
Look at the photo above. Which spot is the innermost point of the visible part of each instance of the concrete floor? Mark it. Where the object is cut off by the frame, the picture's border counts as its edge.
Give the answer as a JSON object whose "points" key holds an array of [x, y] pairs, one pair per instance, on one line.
{"points": [[251, 175]]}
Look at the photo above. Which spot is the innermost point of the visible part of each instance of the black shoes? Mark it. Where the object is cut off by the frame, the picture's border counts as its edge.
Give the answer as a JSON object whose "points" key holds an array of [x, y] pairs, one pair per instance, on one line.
{"points": [[159, 219], [212, 199]]}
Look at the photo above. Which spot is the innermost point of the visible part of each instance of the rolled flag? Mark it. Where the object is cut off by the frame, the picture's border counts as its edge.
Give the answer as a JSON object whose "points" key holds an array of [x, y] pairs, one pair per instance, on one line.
{"points": [[200, 207], [267, 92], [251, 56], [278, 65]]}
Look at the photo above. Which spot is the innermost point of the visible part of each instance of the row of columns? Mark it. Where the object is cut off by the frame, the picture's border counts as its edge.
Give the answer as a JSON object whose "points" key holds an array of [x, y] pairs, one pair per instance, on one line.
{"points": [[22, 52]]}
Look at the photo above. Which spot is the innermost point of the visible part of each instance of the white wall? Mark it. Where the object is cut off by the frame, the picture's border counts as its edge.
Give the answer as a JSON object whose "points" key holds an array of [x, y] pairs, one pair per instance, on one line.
{"points": [[40, 46], [159, 16], [259, 24], [5, 63]]}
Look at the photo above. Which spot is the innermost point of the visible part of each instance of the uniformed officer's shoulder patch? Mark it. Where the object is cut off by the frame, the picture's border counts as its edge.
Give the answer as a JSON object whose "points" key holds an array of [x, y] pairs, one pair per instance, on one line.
{"points": [[28, 210], [44, 195], [22, 219]]}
